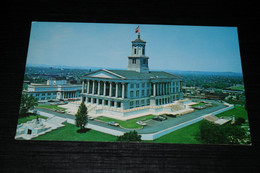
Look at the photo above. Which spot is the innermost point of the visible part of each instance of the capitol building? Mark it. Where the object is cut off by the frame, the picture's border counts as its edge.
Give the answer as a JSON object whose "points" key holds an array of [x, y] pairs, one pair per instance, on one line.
{"points": [[134, 92]]}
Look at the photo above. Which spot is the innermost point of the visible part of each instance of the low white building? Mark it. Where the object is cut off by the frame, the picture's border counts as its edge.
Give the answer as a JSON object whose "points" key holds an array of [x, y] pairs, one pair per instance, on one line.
{"points": [[54, 90]]}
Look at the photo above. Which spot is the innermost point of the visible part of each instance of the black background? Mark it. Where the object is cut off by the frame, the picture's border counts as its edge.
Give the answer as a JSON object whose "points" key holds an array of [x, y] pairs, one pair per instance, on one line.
{"points": [[44, 156]]}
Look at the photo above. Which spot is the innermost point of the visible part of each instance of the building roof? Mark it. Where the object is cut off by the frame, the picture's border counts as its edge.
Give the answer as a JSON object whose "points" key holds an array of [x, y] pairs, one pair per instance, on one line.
{"points": [[138, 40], [128, 74]]}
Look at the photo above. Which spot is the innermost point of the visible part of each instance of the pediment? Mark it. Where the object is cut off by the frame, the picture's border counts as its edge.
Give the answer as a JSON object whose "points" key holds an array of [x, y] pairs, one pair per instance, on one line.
{"points": [[103, 74]]}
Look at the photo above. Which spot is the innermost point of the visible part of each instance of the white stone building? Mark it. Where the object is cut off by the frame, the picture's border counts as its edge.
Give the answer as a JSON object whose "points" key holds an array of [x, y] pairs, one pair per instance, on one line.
{"points": [[135, 91], [54, 90]]}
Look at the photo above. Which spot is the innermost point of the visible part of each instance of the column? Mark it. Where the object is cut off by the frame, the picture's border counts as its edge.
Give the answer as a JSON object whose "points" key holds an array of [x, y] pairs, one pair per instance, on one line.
{"points": [[122, 106], [167, 88], [163, 88], [160, 90], [154, 89], [104, 89], [123, 90], [83, 86], [175, 88], [98, 88], [157, 89], [88, 87], [110, 89], [116, 90], [93, 88]]}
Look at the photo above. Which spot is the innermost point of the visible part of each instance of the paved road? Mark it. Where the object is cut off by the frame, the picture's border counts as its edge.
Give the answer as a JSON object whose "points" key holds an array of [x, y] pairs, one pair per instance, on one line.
{"points": [[90, 121], [155, 126], [152, 126]]}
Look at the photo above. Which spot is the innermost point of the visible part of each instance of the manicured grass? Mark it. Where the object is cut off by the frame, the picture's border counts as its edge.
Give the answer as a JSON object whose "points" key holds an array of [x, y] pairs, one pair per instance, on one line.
{"points": [[238, 111], [69, 133], [50, 107], [130, 124], [186, 135], [29, 118], [199, 104]]}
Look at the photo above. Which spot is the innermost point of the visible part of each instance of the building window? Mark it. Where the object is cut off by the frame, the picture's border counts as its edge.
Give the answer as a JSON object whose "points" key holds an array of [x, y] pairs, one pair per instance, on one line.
{"points": [[132, 86], [137, 103], [143, 85], [142, 92], [137, 85], [132, 94], [148, 102], [143, 51], [89, 100], [131, 104], [112, 103], [134, 61], [134, 50], [137, 93], [142, 102], [37, 94], [100, 101], [49, 94], [94, 100], [106, 102], [118, 104], [147, 92], [144, 61]]}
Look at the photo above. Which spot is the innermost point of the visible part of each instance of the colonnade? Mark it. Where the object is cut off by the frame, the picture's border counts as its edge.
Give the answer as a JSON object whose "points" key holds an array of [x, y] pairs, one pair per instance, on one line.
{"points": [[165, 88], [69, 95], [104, 88]]}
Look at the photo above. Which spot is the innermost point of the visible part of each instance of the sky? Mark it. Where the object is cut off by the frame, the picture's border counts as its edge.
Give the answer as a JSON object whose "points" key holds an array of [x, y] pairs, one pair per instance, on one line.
{"points": [[169, 47]]}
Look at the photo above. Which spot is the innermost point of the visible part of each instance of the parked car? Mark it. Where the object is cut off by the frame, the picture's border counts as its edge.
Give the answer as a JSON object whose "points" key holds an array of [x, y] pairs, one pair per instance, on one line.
{"points": [[113, 123], [160, 118], [171, 115], [60, 111], [90, 118], [163, 117], [141, 123], [157, 119]]}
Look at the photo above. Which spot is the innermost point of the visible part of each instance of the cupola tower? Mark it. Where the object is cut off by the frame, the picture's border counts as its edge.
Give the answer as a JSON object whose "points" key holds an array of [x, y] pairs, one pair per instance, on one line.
{"points": [[138, 61]]}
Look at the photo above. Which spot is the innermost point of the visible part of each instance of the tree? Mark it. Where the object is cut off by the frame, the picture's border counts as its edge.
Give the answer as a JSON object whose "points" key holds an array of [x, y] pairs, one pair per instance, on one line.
{"points": [[81, 117], [240, 121], [130, 136], [211, 133], [28, 102]]}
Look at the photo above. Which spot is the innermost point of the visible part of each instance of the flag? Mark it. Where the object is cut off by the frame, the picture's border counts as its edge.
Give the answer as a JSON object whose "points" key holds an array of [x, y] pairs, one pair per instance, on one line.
{"points": [[137, 30]]}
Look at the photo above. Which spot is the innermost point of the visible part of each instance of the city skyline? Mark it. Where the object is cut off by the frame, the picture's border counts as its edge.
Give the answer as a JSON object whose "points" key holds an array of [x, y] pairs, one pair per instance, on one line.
{"points": [[170, 47]]}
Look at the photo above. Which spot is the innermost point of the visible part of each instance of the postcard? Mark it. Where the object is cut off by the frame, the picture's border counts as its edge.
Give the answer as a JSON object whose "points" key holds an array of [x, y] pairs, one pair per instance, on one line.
{"points": [[133, 83]]}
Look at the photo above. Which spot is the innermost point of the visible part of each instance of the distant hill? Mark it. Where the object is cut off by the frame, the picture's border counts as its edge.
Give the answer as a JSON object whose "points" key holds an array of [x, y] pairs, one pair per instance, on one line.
{"points": [[199, 73]]}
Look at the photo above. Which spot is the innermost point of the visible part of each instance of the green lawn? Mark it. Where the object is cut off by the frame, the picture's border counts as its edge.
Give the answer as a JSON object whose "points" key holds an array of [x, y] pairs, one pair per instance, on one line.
{"points": [[238, 111], [69, 133], [50, 107], [186, 135], [129, 124], [29, 118], [238, 88]]}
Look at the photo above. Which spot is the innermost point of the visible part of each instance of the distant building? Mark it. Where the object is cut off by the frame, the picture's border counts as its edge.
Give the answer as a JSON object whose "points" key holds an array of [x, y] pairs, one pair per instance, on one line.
{"points": [[133, 91], [55, 89]]}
